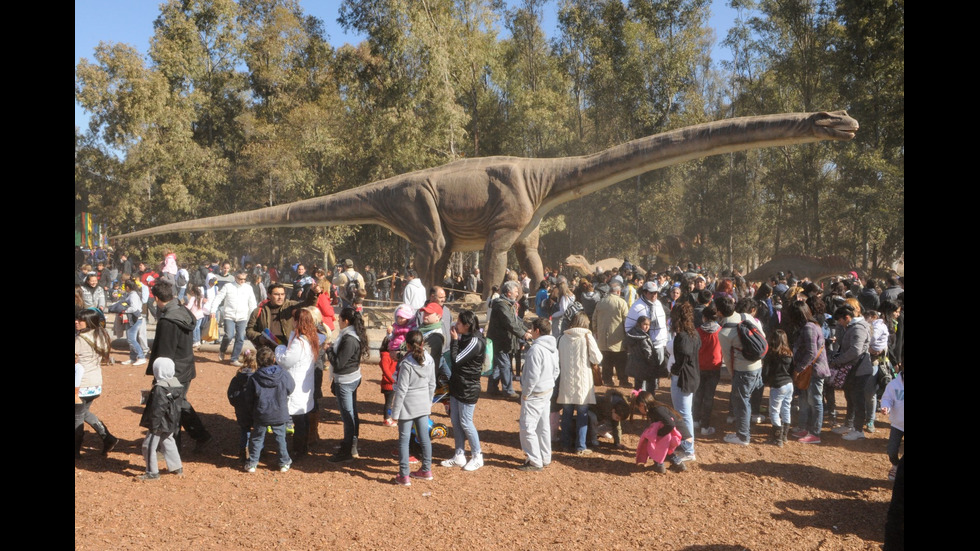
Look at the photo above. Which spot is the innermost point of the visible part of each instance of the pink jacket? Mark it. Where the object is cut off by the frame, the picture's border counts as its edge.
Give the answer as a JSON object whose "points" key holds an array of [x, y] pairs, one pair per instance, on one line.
{"points": [[656, 447]]}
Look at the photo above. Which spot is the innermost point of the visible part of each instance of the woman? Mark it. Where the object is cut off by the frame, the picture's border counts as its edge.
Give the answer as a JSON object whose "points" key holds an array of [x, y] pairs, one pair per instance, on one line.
{"points": [[685, 375], [130, 308], [467, 350], [577, 352], [92, 347], [298, 359], [324, 302], [345, 355], [808, 351], [195, 303], [562, 298]]}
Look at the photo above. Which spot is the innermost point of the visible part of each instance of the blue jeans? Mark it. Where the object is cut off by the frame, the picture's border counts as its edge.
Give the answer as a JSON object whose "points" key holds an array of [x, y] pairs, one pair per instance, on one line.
{"points": [[501, 374], [234, 330], [780, 404], [811, 406], [744, 384], [257, 442], [683, 403], [405, 435], [581, 413], [132, 336], [197, 331], [347, 402], [461, 416]]}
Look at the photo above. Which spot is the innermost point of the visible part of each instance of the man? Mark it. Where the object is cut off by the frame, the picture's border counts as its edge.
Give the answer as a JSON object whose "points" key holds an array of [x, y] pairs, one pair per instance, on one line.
{"points": [[348, 283], [173, 340], [414, 290], [92, 293], [894, 289], [276, 315], [746, 374], [473, 281], [125, 265], [225, 276], [301, 281], [370, 282], [237, 301], [505, 330], [437, 296], [610, 332], [537, 384], [648, 305]]}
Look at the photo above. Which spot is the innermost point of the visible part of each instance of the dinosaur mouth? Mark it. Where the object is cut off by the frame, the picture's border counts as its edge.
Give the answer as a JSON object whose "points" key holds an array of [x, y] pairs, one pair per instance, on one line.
{"points": [[838, 125]]}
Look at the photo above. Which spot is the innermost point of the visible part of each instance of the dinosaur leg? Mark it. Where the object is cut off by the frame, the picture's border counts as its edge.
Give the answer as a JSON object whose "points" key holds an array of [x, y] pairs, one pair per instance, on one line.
{"points": [[527, 253], [494, 262], [431, 248]]}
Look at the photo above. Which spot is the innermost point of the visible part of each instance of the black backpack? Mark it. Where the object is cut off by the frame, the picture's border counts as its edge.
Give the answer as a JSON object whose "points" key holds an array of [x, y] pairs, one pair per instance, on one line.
{"points": [[754, 344], [351, 288]]}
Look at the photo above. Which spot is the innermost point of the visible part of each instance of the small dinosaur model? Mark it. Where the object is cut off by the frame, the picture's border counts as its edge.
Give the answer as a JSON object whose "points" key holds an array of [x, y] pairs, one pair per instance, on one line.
{"points": [[494, 204], [813, 267]]}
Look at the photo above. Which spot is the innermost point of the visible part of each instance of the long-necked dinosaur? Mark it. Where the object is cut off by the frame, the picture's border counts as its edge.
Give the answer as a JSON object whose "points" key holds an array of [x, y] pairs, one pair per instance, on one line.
{"points": [[813, 267], [496, 203]]}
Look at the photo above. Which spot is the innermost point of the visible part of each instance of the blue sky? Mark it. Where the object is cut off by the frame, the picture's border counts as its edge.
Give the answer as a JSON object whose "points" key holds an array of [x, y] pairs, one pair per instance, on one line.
{"points": [[131, 22]]}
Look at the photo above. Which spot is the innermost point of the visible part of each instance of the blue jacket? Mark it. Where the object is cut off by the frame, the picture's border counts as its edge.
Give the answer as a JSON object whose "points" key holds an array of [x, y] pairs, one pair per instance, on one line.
{"points": [[268, 393]]}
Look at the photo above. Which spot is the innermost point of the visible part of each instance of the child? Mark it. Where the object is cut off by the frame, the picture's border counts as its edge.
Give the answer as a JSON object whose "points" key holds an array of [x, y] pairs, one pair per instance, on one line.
{"points": [[661, 438], [161, 417], [640, 356], [404, 322], [267, 394], [607, 414], [79, 409], [893, 405], [238, 398], [777, 373], [388, 366], [709, 361], [414, 387]]}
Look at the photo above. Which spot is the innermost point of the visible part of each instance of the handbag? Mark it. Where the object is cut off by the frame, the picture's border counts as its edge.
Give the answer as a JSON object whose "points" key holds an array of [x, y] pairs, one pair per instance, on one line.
{"points": [[212, 334], [801, 379]]}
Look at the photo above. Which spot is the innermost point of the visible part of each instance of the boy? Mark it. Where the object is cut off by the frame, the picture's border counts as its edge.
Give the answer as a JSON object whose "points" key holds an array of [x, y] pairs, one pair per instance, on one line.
{"points": [[162, 418], [267, 394]]}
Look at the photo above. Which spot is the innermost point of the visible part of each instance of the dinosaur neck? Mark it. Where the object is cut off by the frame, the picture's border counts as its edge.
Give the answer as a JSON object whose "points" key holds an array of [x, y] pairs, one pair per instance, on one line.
{"points": [[574, 177]]}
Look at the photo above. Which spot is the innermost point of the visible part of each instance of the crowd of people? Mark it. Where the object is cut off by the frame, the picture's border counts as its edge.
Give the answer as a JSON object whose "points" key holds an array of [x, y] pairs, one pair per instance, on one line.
{"points": [[623, 329]]}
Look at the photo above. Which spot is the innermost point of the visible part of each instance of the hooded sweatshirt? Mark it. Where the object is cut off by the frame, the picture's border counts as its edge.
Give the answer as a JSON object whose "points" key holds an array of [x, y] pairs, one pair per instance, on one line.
{"points": [[162, 412], [269, 396], [540, 367], [709, 357], [173, 340]]}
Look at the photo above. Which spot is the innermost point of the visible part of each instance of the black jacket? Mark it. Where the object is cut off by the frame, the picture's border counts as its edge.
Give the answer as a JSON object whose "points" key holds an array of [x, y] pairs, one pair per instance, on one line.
{"points": [[686, 365], [175, 326], [504, 328], [162, 412], [466, 362], [268, 395]]}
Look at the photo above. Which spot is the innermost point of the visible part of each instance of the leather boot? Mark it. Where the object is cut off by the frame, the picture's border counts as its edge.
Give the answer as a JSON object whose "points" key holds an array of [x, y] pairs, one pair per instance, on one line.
{"points": [[777, 436], [785, 434], [314, 432], [79, 436], [353, 448], [108, 440]]}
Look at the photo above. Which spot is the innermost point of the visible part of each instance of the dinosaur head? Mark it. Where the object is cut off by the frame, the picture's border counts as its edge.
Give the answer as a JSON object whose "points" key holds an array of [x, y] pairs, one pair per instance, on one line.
{"points": [[835, 125]]}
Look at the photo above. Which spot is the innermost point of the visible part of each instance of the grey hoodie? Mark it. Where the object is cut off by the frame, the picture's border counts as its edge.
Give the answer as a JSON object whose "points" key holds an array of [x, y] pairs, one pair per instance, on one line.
{"points": [[540, 367]]}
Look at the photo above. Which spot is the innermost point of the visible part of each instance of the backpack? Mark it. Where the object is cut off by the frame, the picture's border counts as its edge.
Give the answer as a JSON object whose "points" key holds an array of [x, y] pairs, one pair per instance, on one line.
{"points": [[754, 344], [181, 278], [351, 289], [574, 308]]}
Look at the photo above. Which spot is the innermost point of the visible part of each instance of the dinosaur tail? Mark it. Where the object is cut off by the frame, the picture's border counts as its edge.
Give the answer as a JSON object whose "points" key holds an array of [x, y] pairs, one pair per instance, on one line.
{"points": [[346, 207]]}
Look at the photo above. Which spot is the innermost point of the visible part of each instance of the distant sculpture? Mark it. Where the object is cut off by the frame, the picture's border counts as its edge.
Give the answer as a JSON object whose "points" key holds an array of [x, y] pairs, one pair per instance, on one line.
{"points": [[496, 203], [583, 267], [813, 267]]}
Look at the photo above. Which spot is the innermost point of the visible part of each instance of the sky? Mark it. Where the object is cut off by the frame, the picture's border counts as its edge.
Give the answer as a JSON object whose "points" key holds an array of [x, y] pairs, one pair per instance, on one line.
{"points": [[131, 22]]}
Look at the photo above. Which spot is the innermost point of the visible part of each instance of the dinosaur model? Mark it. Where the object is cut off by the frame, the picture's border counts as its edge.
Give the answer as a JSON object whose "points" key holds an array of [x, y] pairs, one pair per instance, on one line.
{"points": [[578, 263], [813, 267], [494, 204]]}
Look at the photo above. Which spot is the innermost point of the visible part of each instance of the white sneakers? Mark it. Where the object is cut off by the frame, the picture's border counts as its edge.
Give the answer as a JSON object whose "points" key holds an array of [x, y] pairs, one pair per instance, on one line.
{"points": [[732, 438], [458, 461], [475, 462]]}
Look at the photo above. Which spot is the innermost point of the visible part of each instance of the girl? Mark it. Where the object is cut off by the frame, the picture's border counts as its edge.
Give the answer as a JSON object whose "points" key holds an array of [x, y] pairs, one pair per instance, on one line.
{"points": [[640, 357], [92, 348], [388, 367], [709, 360], [237, 389], [130, 307], [298, 359], [195, 303], [661, 437], [404, 322], [893, 405], [412, 405], [345, 355], [684, 373], [466, 354], [777, 373]]}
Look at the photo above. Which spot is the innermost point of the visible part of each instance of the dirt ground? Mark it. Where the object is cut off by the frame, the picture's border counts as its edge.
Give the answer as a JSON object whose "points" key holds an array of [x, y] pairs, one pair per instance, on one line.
{"points": [[829, 496]]}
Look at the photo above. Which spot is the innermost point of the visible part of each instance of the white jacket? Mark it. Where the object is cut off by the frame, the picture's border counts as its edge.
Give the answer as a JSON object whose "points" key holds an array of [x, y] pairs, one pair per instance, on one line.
{"points": [[577, 351], [236, 300], [299, 363]]}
